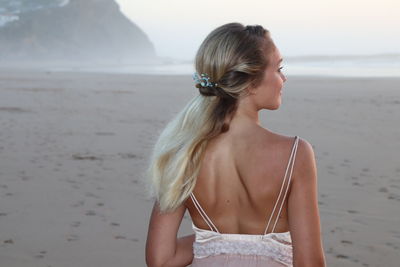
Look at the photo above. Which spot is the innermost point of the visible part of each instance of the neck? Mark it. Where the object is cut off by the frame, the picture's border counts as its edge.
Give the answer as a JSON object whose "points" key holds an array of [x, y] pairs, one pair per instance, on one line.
{"points": [[246, 111]]}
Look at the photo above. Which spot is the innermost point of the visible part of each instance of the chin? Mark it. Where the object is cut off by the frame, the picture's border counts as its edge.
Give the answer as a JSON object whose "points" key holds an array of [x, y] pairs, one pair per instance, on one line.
{"points": [[278, 105], [275, 107]]}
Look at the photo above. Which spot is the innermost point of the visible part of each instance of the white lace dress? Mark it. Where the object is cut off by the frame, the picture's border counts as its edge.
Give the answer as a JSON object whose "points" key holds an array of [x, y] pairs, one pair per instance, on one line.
{"points": [[215, 249], [212, 248]]}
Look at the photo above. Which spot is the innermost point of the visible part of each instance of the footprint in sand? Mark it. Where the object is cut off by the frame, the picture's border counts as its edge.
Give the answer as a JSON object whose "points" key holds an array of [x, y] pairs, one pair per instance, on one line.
{"points": [[360, 221], [371, 248], [72, 237], [90, 213], [341, 256], [383, 190], [346, 242], [390, 244], [14, 109], [394, 196], [346, 257], [75, 224], [78, 204], [85, 157], [25, 178], [73, 182], [40, 255], [89, 194], [352, 211], [127, 155], [114, 224]]}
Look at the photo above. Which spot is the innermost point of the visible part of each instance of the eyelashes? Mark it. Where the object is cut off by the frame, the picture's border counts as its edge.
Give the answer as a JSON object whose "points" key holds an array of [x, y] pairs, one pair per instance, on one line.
{"points": [[279, 70]]}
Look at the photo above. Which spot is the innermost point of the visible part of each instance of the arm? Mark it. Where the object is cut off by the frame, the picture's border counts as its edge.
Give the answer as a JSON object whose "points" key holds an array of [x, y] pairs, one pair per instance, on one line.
{"points": [[304, 221], [163, 248]]}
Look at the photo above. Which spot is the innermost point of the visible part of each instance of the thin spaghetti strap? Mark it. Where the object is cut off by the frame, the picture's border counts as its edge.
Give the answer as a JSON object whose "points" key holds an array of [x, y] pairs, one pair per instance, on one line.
{"points": [[203, 214], [284, 179], [287, 187]]}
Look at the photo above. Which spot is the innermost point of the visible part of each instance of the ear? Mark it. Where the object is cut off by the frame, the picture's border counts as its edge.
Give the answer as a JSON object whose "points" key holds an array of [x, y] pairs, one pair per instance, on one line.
{"points": [[251, 90]]}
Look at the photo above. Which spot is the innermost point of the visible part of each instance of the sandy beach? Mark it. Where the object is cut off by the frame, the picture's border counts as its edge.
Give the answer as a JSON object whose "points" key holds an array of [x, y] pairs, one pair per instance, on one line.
{"points": [[73, 148]]}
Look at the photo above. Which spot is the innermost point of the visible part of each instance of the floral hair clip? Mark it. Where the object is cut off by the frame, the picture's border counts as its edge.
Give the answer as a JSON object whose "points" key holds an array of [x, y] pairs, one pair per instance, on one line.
{"points": [[203, 80]]}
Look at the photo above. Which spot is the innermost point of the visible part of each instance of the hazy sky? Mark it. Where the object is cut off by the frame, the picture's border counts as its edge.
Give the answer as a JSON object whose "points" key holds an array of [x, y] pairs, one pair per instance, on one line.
{"points": [[298, 27]]}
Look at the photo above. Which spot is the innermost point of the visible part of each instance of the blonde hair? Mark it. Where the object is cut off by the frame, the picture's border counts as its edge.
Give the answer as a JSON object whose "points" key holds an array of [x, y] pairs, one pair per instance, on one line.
{"points": [[234, 56]]}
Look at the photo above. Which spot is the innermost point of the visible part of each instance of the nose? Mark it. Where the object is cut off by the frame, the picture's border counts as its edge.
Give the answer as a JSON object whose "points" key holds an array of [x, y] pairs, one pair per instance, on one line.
{"points": [[283, 77]]}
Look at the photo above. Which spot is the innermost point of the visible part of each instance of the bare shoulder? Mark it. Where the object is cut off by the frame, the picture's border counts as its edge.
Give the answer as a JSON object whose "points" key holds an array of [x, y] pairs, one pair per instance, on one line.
{"points": [[304, 152], [305, 148], [305, 159], [284, 141], [303, 212], [305, 165]]}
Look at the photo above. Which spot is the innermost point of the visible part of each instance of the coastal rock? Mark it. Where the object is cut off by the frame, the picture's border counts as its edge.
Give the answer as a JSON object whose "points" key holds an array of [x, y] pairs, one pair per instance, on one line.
{"points": [[71, 31]]}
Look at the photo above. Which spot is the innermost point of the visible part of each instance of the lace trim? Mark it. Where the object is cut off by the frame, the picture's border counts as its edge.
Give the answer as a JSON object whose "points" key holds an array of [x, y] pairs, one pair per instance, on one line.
{"points": [[281, 253]]}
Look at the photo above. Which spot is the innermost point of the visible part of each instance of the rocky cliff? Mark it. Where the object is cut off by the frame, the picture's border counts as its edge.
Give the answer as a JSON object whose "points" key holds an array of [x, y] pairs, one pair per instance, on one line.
{"points": [[74, 30]]}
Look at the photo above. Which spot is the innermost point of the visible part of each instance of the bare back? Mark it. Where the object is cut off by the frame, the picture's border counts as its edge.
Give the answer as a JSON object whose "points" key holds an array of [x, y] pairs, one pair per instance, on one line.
{"points": [[240, 179]]}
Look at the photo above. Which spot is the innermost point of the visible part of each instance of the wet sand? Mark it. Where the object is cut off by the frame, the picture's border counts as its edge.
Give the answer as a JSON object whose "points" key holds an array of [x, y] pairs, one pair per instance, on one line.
{"points": [[73, 148]]}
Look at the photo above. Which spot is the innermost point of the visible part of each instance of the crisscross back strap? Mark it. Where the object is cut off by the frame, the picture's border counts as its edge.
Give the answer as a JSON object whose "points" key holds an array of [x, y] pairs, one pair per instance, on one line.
{"points": [[292, 156], [203, 214]]}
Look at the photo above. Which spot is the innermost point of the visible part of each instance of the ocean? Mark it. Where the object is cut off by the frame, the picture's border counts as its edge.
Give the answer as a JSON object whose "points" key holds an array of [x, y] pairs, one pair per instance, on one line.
{"points": [[386, 65]]}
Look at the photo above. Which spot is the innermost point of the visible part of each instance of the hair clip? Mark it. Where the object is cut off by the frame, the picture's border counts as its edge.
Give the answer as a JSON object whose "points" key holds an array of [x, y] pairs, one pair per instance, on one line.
{"points": [[203, 80]]}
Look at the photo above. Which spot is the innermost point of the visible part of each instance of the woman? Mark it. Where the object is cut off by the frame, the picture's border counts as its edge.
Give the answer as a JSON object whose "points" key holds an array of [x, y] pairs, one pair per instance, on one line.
{"points": [[251, 193]]}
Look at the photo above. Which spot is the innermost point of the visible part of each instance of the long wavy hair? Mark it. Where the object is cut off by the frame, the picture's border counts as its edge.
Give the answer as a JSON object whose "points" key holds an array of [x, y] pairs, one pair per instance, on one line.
{"points": [[234, 56]]}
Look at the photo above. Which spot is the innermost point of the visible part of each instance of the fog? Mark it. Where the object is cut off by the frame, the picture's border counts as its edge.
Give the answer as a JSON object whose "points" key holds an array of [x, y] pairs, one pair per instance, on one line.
{"points": [[74, 32], [307, 27], [115, 34]]}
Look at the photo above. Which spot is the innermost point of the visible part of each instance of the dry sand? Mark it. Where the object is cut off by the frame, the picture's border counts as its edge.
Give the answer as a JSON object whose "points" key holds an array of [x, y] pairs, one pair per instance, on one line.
{"points": [[73, 147]]}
